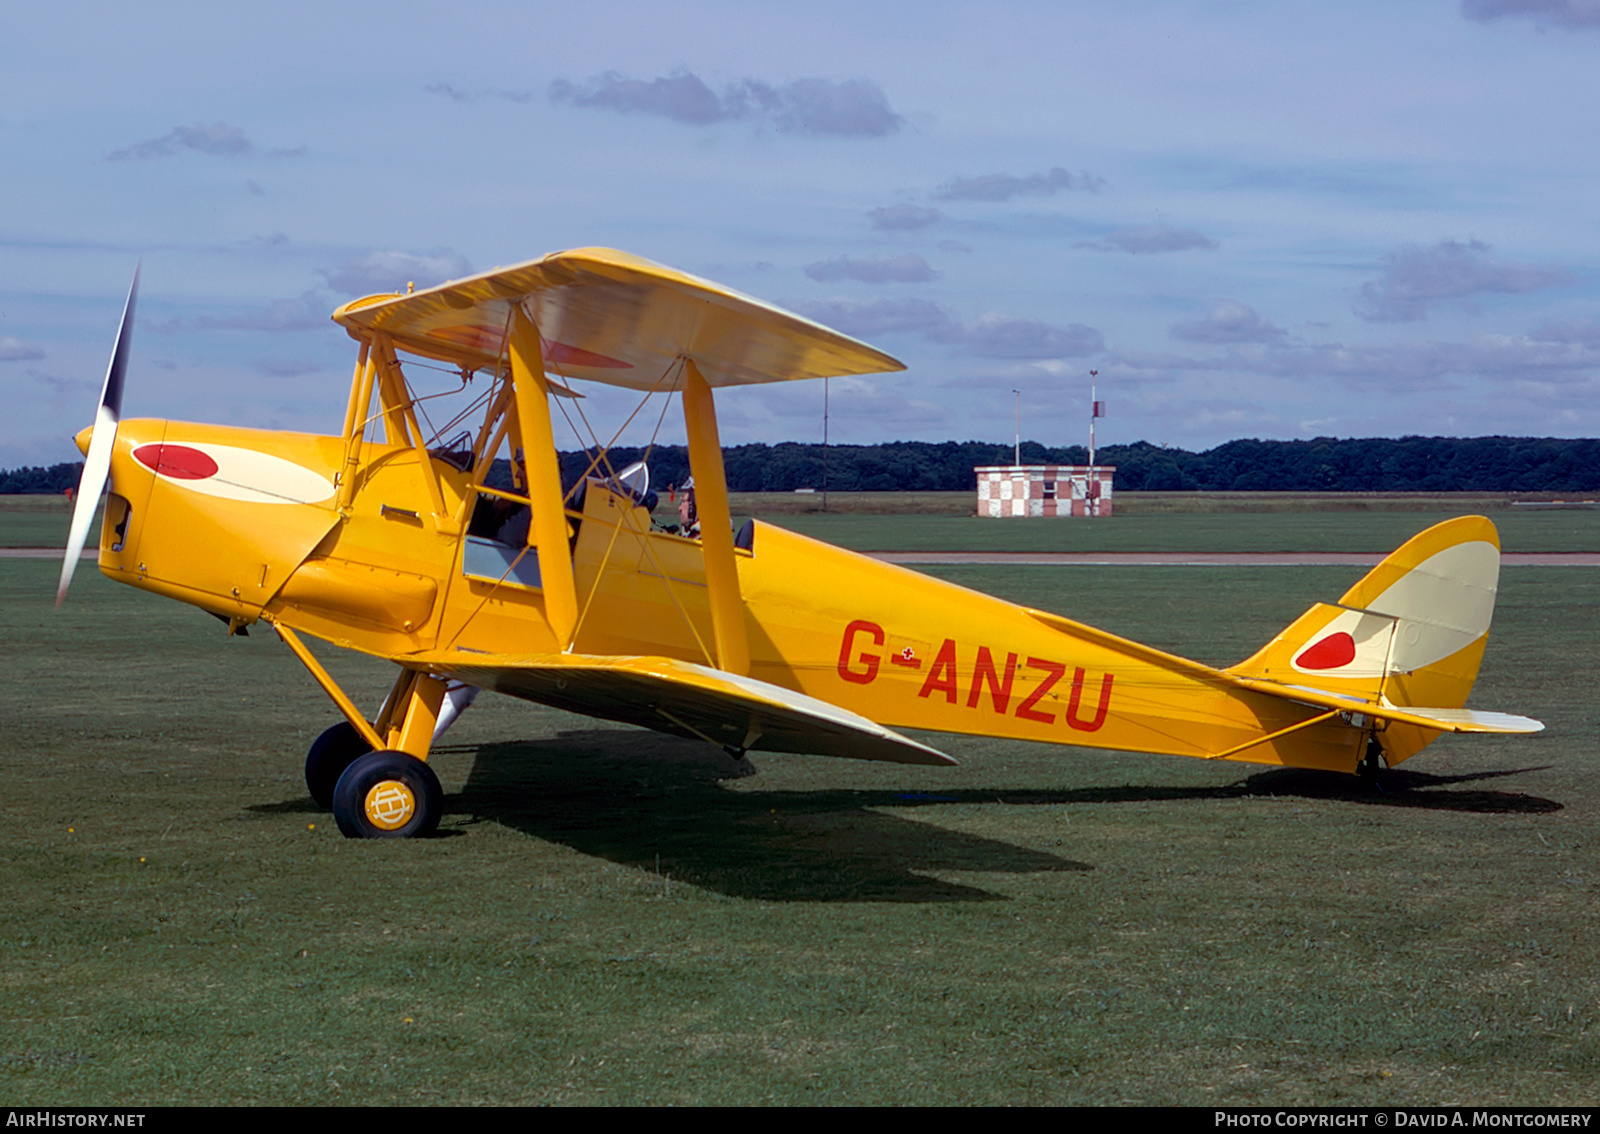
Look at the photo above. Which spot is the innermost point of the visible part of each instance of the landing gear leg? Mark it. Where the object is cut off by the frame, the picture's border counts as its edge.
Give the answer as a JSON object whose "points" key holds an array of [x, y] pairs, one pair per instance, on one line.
{"points": [[392, 793], [376, 773], [411, 713]]}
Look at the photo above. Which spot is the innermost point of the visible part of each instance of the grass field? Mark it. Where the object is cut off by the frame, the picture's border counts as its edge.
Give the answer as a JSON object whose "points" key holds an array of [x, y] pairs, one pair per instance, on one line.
{"points": [[1193, 532], [1175, 522], [612, 916], [1147, 503], [35, 521], [1206, 522]]}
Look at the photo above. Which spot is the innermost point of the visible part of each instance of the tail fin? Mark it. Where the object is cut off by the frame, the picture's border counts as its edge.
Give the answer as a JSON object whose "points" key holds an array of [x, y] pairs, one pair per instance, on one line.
{"points": [[1408, 636]]}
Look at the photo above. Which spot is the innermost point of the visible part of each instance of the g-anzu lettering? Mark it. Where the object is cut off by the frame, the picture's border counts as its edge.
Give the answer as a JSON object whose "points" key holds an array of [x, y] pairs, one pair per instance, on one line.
{"points": [[1014, 685]]}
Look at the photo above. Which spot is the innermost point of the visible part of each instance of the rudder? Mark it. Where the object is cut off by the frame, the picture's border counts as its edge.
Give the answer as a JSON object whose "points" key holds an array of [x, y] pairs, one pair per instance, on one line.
{"points": [[1411, 633]]}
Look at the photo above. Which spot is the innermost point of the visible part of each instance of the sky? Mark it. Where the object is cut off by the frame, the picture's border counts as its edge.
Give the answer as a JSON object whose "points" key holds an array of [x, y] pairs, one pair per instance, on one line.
{"points": [[1275, 219]]}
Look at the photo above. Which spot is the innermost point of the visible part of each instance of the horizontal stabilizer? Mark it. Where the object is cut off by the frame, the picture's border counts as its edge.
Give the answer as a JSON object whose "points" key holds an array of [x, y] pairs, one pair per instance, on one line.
{"points": [[1437, 719], [686, 699], [1460, 720]]}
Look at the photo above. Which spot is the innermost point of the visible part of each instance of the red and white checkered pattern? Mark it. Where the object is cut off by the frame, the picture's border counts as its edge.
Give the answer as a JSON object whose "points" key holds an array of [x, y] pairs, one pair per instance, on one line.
{"points": [[1044, 490]]}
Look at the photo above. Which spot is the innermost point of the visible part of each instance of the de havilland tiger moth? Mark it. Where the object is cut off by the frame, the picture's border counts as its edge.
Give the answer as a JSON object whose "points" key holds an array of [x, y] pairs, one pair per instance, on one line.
{"points": [[386, 538]]}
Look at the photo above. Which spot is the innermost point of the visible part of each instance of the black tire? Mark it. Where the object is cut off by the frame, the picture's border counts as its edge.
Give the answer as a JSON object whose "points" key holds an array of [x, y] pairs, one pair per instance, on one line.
{"points": [[330, 754], [388, 795]]}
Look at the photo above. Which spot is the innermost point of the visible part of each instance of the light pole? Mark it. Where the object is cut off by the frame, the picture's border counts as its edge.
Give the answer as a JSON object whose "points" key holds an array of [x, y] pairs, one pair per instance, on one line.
{"points": [[1016, 451], [1095, 410], [824, 444]]}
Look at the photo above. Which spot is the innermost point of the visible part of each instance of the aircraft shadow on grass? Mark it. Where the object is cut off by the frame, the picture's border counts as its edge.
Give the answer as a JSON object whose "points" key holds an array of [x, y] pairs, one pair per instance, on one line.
{"points": [[1403, 788], [630, 796], [656, 803], [1399, 788]]}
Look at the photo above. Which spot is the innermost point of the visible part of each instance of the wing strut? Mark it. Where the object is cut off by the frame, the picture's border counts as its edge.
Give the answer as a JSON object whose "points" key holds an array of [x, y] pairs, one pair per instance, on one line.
{"points": [[548, 531], [716, 525], [355, 426], [402, 424]]}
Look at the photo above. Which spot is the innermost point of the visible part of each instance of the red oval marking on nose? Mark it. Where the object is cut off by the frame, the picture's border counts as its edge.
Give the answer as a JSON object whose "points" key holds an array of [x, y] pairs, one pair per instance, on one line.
{"points": [[1330, 653], [180, 462]]}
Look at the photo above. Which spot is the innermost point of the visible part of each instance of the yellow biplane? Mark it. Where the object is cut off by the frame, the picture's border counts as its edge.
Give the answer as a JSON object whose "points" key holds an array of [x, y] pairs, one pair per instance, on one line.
{"points": [[387, 538]]}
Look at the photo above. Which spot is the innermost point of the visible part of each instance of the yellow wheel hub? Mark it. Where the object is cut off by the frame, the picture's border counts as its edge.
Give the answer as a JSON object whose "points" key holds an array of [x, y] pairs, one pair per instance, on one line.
{"points": [[390, 805]]}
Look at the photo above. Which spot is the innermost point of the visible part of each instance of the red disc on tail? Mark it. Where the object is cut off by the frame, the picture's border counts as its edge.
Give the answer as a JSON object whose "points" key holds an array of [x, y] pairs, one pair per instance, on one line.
{"points": [[1330, 653]]}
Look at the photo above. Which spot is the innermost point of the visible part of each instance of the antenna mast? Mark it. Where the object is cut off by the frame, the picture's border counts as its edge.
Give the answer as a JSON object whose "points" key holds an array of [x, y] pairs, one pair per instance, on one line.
{"points": [[1094, 412], [1016, 452]]}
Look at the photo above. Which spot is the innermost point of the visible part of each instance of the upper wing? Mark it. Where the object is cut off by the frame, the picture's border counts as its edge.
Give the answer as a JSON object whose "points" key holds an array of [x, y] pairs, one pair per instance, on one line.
{"points": [[611, 317], [688, 700]]}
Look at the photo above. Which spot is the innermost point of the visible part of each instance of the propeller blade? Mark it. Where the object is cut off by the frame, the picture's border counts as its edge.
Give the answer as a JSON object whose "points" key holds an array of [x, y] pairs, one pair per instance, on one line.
{"points": [[97, 464]]}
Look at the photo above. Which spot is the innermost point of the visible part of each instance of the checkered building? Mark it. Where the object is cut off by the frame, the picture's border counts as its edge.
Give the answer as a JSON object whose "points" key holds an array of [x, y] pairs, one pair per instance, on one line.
{"points": [[1044, 490]]}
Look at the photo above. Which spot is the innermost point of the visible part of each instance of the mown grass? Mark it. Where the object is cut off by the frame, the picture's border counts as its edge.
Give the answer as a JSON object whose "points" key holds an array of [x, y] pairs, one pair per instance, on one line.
{"points": [[1149, 503], [1170, 522], [611, 916], [1377, 532], [36, 521]]}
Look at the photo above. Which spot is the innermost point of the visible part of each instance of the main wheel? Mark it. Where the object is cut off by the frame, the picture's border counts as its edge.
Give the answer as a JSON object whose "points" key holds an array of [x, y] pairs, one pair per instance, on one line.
{"points": [[330, 754], [387, 795]]}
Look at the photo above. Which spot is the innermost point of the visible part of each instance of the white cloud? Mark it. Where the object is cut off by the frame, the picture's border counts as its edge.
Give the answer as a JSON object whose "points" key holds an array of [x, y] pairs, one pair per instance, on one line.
{"points": [[1586, 331], [865, 410], [903, 218], [1401, 369], [391, 271], [1004, 186], [1228, 322], [1571, 15], [309, 311], [992, 336], [217, 138], [448, 91], [816, 106], [456, 94], [995, 336], [15, 350], [907, 268], [1149, 238], [1416, 277], [804, 106], [869, 318]]}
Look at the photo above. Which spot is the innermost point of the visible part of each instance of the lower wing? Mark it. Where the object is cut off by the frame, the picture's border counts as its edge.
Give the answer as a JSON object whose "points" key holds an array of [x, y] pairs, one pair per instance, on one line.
{"points": [[739, 713]]}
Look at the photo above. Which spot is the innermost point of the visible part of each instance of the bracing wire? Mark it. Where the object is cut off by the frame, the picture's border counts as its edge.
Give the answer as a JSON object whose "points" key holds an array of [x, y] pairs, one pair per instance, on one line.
{"points": [[602, 456], [598, 454]]}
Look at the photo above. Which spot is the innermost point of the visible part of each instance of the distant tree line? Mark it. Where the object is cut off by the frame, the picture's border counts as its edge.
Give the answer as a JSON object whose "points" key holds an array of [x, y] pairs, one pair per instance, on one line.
{"points": [[1406, 464], [35, 481]]}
